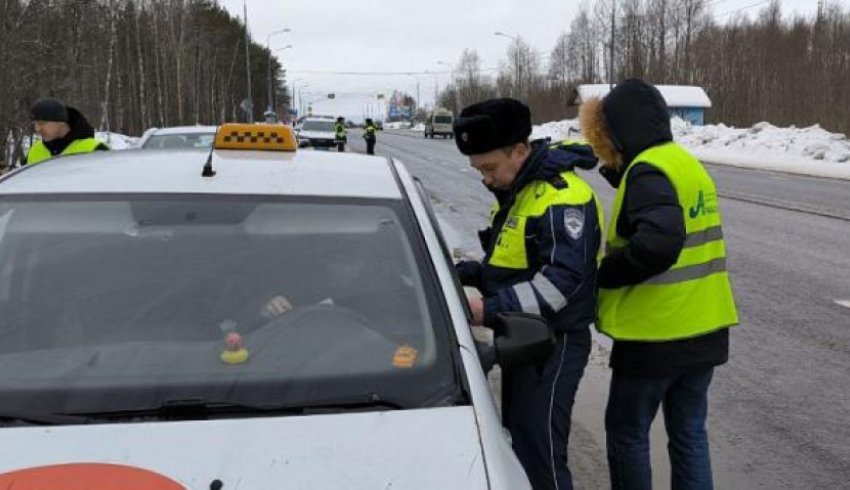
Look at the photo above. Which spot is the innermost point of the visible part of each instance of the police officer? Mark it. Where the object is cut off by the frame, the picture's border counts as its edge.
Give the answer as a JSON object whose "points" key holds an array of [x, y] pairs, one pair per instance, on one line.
{"points": [[370, 135], [664, 293], [340, 134], [540, 258], [63, 130]]}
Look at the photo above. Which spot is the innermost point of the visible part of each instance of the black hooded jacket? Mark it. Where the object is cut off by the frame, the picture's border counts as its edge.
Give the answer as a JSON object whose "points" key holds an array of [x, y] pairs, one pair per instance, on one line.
{"points": [[653, 222], [80, 129]]}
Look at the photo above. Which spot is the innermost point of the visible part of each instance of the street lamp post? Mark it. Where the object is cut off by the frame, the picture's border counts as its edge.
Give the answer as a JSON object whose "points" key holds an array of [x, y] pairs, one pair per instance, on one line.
{"points": [[272, 104], [301, 99], [269, 49], [294, 103], [516, 58]]}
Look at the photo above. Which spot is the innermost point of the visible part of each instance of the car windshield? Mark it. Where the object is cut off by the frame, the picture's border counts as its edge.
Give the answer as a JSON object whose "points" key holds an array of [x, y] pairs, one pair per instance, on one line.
{"points": [[321, 126], [110, 303], [443, 119], [180, 141]]}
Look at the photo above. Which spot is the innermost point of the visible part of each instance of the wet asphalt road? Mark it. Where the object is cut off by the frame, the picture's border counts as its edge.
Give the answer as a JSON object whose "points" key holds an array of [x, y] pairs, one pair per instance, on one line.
{"points": [[780, 410]]}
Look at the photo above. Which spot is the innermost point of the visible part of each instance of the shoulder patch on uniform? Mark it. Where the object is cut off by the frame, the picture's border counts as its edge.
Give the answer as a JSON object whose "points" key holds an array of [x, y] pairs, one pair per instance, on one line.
{"points": [[574, 222]]}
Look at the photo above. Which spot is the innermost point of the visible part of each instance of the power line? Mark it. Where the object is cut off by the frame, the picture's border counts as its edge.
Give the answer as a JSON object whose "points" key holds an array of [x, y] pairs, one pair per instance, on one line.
{"points": [[374, 73], [730, 12]]}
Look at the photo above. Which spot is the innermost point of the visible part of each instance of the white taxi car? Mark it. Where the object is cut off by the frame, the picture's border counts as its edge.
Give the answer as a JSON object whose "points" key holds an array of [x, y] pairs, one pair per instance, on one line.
{"points": [[252, 318]]}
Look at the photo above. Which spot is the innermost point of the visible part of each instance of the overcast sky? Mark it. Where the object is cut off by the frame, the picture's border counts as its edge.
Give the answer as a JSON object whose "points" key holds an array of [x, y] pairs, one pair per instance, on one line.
{"points": [[410, 36]]}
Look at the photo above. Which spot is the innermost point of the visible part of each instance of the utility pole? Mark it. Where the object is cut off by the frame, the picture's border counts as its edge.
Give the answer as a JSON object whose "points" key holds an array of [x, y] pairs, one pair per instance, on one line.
{"points": [[248, 65]]}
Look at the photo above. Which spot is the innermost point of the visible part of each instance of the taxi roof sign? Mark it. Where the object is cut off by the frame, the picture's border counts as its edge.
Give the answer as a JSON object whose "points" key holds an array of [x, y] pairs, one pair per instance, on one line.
{"points": [[263, 137]]}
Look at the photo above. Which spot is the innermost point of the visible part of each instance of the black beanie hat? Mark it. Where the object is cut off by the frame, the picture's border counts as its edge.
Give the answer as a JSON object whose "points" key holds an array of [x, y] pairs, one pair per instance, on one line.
{"points": [[492, 124], [49, 110]]}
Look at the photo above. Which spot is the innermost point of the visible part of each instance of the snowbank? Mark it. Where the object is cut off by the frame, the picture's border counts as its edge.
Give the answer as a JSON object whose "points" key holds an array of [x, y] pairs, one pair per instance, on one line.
{"points": [[117, 141], [558, 130], [813, 143], [397, 125], [806, 151]]}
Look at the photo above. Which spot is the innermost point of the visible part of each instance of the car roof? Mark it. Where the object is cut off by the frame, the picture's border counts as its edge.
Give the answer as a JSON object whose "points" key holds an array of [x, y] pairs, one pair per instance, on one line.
{"points": [[186, 130], [301, 173]]}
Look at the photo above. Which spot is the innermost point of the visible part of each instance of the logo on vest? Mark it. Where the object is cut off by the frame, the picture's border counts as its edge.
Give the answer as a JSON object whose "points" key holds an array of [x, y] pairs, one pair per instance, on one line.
{"points": [[574, 223], [703, 206]]}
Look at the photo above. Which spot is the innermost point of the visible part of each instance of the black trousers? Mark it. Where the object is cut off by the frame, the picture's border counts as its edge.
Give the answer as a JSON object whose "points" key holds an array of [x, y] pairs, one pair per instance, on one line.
{"points": [[370, 146], [537, 405]]}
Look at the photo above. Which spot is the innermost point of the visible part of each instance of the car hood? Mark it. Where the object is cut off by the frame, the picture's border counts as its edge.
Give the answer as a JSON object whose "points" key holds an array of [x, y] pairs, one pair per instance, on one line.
{"points": [[410, 449], [317, 134]]}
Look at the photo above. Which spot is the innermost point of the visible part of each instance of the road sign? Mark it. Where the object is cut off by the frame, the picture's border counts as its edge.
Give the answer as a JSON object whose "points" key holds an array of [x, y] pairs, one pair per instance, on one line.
{"points": [[246, 106]]}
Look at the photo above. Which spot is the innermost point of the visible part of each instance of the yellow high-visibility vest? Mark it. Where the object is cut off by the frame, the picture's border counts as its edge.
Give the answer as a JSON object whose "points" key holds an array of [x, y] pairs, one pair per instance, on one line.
{"points": [[694, 296]]}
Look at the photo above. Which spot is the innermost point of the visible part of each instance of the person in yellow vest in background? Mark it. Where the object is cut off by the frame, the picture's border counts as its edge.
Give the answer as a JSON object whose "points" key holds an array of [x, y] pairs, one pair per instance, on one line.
{"points": [[370, 135], [63, 130], [340, 134], [664, 292]]}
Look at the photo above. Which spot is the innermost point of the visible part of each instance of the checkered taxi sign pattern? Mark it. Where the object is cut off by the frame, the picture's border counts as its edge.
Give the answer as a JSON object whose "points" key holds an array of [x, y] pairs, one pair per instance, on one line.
{"points": [[253, 137], [258, 137]]}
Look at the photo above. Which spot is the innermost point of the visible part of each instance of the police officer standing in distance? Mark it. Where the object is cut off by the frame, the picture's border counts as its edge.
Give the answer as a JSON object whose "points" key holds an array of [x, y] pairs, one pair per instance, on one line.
{"points": [[664, 292], [540, 257], [340, 134], [370, 135]]}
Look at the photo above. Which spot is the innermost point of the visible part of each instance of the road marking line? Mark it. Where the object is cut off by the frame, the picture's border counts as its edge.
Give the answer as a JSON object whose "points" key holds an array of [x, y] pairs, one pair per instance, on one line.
{"points": [[845, 303]]}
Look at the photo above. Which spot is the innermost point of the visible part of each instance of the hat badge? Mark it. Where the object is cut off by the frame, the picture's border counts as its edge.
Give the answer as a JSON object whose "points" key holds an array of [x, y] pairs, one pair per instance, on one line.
{"points": [[464, 137]]}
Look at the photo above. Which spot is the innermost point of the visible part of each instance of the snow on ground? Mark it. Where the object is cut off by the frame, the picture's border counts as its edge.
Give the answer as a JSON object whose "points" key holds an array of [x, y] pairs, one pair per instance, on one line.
{"points": [[558, 130], [807, 151], [117, 141], [418, 128]]}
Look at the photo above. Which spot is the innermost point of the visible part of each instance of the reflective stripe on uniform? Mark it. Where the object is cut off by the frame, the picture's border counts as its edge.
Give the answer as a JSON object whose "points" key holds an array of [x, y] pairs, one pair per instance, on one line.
{"points": [[707, 235], [549, 292], [526, 297], [689, 273]]}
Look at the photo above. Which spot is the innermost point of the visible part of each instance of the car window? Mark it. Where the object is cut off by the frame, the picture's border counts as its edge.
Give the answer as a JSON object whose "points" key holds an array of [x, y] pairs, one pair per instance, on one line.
{"points": [[325, 126], [180, 141], [443, 119], [424, 195], [116, 303]]}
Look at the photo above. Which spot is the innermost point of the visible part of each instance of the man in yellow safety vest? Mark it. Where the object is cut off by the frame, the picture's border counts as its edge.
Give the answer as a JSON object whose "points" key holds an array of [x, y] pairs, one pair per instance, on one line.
{"points": [[63, 130], [664, 292]]}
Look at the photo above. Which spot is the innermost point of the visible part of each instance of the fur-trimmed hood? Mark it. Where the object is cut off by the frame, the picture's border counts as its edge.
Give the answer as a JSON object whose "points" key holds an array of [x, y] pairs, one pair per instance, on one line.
{"points": [[630, 119]]}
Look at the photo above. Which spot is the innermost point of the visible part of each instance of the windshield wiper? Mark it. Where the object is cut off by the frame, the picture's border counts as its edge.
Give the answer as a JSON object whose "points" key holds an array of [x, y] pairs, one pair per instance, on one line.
{"points": [[199, 409], [38, 418]]}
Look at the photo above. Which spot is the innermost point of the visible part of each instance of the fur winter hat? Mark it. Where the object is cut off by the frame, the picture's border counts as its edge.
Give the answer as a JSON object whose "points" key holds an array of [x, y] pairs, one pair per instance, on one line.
{"points": [[492, 124]]}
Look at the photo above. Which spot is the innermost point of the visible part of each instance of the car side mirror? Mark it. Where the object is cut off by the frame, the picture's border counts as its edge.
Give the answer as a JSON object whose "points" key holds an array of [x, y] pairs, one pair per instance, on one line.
{"points": [[519, 339]]}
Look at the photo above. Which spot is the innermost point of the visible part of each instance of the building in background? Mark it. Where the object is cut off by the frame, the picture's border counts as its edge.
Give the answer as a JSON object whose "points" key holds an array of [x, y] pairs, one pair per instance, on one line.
{"points": [[684, 101]]}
